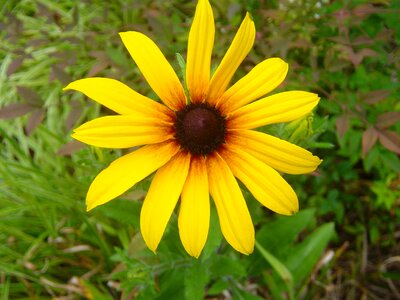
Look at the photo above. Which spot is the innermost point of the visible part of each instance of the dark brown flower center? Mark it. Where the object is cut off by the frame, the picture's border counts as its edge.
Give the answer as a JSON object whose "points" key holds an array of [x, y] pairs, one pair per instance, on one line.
{"points": [[200, 128]]}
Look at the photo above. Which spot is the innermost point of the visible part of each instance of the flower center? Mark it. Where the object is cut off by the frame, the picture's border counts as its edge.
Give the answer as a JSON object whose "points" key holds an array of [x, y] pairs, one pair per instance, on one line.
{"points": [[200, 128]]}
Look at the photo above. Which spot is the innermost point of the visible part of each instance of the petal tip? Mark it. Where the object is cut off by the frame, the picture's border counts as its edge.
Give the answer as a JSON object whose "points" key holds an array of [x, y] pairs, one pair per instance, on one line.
{"points": [[152, 245], [125, 35], [122, 33], [248, 16], [89, 206], [194, 254], [68, 87], [153, 249], [247, 251], [92, 200]]}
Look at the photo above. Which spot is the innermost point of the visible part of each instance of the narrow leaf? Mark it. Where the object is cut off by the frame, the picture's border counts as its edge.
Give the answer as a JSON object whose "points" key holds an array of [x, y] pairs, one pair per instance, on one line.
{"points": [[304, 256], [29, 95], [70, 148], [390, 140], [278, 266], [182, 65], [369, 138], [15, 110], [14, 65], [97, 68], [74, 114], [60, 74], [342, 125], [34, 120], [376, 96], [388, 119]]}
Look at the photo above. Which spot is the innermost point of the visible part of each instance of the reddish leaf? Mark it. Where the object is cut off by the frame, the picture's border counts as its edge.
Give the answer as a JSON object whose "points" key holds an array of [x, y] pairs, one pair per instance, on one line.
{"points": [[29, 95], [376, 96], [60, 74], [38, 43], [342, 125], [338, 40], [65, 58], [388, 119], [15, 110], [357, 57], [366, 52], [73, 40], [74, 115], [363, 40], [390, 140], [97, 68], [16, 63], [274, 14], [100, 55], [70, 148], [369, 138], [342, 15], [14, 27], [363, 10], [34, 120]]}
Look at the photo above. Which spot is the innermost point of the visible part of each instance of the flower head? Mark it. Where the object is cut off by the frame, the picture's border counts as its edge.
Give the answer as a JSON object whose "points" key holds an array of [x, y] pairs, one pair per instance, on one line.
{"points": [[197, 146]]}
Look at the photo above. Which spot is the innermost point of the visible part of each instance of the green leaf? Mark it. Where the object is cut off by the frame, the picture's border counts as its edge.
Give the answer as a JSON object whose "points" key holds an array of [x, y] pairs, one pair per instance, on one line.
{"points": [[122, 210], [273, 288], [280, 234], [171, 283], [304, 256], [196, 278], [226, 266], [278, 266], [5, 288], [91, 292], [240, 294], [217, 287], [214, 236], [182, 67]]}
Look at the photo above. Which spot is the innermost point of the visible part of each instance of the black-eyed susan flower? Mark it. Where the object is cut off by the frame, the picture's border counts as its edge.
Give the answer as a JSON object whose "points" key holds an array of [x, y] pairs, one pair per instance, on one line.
{"points": [[198, 144]]}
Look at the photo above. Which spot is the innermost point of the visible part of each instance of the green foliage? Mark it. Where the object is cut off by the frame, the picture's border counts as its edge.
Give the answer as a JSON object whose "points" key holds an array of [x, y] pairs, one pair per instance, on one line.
{"points": [[346, 51]]}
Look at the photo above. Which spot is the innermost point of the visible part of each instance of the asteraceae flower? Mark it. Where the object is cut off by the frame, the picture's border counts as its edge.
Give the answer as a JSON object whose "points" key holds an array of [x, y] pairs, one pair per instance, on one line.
{"points": [[198, 145]]}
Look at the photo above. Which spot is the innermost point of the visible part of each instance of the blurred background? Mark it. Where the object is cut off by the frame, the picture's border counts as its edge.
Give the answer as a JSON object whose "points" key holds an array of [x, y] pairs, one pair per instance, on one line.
{"points": [[343, 243]]}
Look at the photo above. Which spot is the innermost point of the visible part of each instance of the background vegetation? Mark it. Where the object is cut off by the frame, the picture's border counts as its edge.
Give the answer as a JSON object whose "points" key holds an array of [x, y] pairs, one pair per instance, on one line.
{"points": [[344, 242]]}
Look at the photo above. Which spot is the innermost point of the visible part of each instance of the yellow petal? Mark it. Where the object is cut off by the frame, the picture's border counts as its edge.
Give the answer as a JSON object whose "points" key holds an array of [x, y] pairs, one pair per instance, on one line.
{"points": [[194, 213], [155, 68], [266, 185], [128, 170], [282, 107], [240, 47], [234, 216], [162, 198], [118, 97], [123, 131], [262, 79], [201, 41], [278, 154]]}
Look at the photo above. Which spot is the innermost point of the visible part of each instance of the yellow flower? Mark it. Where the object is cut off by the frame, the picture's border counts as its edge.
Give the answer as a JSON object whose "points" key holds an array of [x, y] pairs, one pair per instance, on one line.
{"points": [[198, 146]]}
